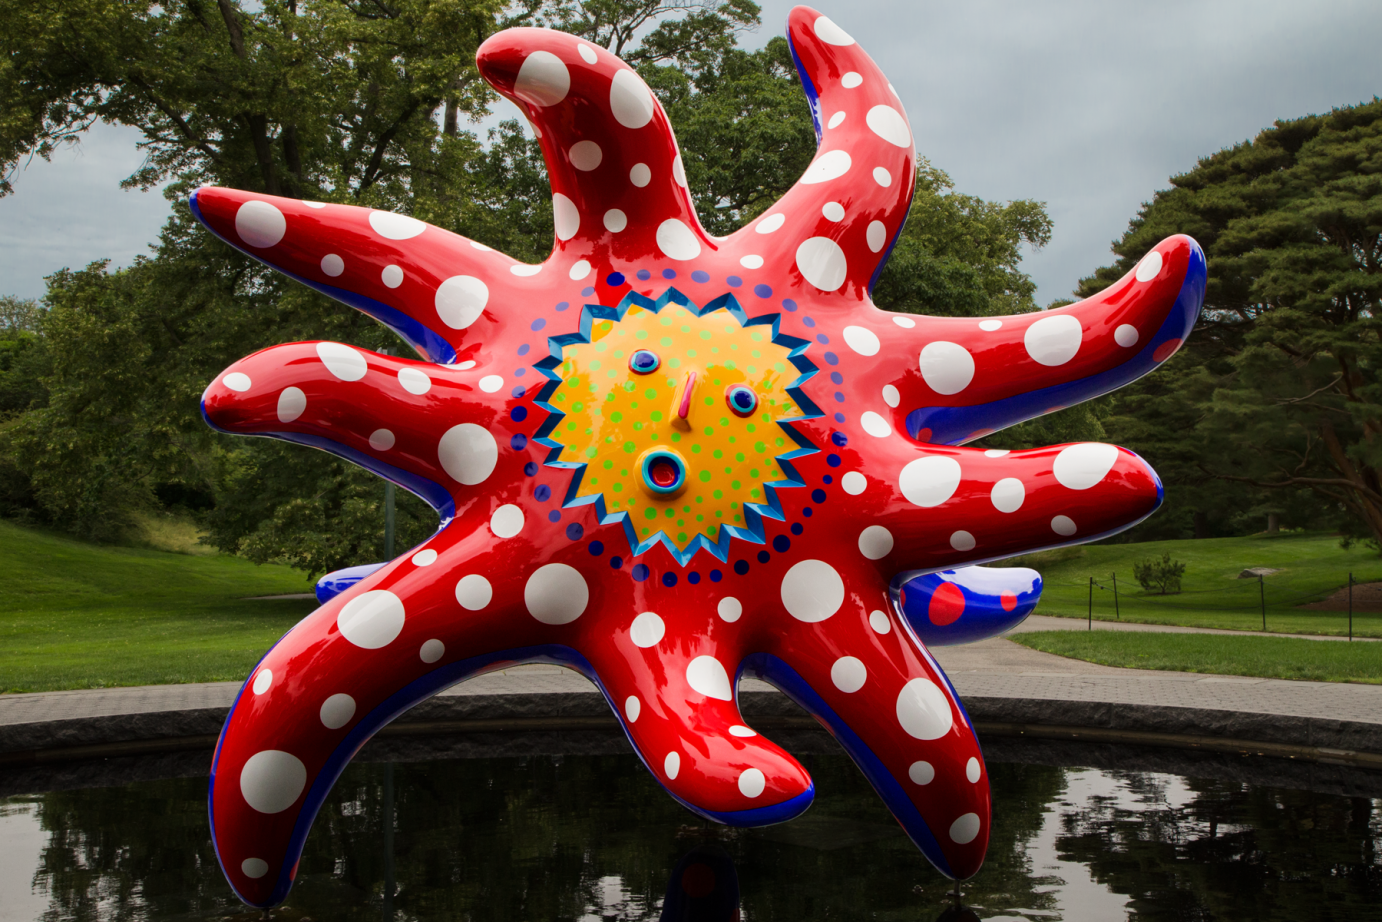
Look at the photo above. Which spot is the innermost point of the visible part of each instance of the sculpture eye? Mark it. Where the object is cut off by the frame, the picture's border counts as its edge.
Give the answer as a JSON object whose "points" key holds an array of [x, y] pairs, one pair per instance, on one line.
{"points": [[644, 362], [742, 400]]}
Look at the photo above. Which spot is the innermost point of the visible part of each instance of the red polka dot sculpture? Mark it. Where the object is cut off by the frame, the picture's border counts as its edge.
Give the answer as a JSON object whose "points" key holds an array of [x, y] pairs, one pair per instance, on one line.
{"points": [[669, 460]]}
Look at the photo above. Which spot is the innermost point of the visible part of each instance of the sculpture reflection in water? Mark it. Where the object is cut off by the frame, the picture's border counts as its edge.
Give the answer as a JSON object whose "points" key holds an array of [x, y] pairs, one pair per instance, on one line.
{"points": [[669, 460]]}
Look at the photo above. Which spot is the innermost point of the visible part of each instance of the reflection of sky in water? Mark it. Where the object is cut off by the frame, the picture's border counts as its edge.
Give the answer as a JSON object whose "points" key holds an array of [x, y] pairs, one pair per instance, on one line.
{"points": [[592, 839]]}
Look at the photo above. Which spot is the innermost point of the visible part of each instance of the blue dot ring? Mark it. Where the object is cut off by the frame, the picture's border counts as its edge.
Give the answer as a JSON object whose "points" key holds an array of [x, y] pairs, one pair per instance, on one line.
{"points": [[664, 472], [644, 362]]}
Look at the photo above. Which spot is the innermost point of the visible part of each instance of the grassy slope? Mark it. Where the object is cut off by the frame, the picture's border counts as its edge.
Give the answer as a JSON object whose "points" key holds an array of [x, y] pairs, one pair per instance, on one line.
{"points": [[1312, 567], [1268, 657], [75, 615]]}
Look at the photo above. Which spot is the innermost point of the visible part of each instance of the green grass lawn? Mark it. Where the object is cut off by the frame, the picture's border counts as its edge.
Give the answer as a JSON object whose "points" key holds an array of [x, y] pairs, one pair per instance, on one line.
{"points": [[1313, 567], [1267, 657], [76, 615]]}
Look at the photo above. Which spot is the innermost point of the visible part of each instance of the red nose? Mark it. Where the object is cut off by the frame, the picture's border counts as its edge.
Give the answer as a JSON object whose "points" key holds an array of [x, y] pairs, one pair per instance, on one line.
{"points": [[663, 472]]}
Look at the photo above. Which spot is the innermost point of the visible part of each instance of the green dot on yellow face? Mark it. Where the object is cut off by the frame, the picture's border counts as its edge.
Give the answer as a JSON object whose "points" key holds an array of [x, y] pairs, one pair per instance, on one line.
{"points": [[665, 342], [650, 394], [650, 513], [705, 476]]}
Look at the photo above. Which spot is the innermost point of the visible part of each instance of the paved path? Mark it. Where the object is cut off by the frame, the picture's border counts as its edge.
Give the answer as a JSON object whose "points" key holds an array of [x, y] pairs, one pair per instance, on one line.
{"points": [[1045, 623]]}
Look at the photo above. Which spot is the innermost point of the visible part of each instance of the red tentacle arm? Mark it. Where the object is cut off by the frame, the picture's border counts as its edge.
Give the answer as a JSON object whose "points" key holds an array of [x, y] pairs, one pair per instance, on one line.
{"points": [[850, 661], [845, 212]]}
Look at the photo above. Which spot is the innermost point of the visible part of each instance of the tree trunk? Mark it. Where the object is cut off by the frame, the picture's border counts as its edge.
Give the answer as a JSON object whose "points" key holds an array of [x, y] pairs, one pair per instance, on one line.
{"points": [[1273, 523], [1201, 524]]}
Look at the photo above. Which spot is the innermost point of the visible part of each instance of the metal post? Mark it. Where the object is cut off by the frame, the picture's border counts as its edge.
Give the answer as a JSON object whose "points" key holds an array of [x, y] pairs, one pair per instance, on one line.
{"points": [[1091, 604], [388, 519], [1350, 608], [1117, 615], [1262, 593], [388, 841]]}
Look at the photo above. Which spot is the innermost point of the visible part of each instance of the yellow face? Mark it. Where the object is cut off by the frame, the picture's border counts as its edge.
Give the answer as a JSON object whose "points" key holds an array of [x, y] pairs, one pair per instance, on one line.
{"points": [[634, 420]]}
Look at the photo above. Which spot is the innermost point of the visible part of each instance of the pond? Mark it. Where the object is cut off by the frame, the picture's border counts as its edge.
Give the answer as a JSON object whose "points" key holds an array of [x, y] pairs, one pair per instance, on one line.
{"points": [[592, 837]]}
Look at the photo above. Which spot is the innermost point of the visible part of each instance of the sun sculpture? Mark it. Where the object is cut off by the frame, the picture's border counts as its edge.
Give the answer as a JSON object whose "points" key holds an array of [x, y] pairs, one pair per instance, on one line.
{"points": [[669, 460]]}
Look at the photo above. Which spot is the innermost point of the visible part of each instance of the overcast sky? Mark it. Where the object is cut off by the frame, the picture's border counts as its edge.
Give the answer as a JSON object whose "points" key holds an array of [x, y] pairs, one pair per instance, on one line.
{"points": [[1087, 106]]}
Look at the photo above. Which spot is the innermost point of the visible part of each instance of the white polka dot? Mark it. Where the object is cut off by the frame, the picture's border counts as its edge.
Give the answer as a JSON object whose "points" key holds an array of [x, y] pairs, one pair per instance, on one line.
{"points": [[640, 175], [632, 708], [414, 380], [972, 770], [771, 223], [254, 868], [477, 245], [1053, 340], [729, 609], [833, 211], [506, 521], [965, 829], [921, 773], [474, 592], [671, 765], [647, 629], [882, 177], [425, 558], [543, 80], [336, 711], [812, 591], [706, 675], [491, 383], [875, 425], [677, 241], [1149, 268], [822, 263], [835, 120], [587, 53], [524, 271], [880, 622], [395, 226], [381, 440], [262, 681], [463, 366], [831, 34], [875, 542], [679, 171], [372, 619], [630, 100], [929, 481], [237, 381], [566, 217], [260, 224], [315, 204], [862, 340], [988, 326], [947, 368], [468, 453], [1063, 525], [272, 780], [1007, 494], [291, 404], [579, 270], [342, 361], [848, 674], [586, 155], [995, 452], [752, 782], [962, 541], [751, 262], [556, 594], [1125, 335], [830, 165], [891, 396], [1081, 466], [904, 322], [615, 220], [850, 80], [462, 298], [431, 651], [392, 276], [742, 731], [876, 236], [923, 710], [888, 124], [854, 483], [332, 265]]}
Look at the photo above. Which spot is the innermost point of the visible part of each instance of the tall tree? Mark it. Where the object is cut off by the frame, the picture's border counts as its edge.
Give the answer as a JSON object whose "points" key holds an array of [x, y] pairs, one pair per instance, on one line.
{"points": [[1283, 369]]}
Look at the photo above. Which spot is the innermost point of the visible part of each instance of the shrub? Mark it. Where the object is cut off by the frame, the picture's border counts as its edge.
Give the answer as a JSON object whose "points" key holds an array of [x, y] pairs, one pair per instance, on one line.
{"points": [[1162, 575]]}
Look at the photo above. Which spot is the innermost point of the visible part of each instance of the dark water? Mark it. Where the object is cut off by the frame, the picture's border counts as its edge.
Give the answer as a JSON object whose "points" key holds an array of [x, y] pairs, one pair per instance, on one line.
{"points": [[593, 837]]}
